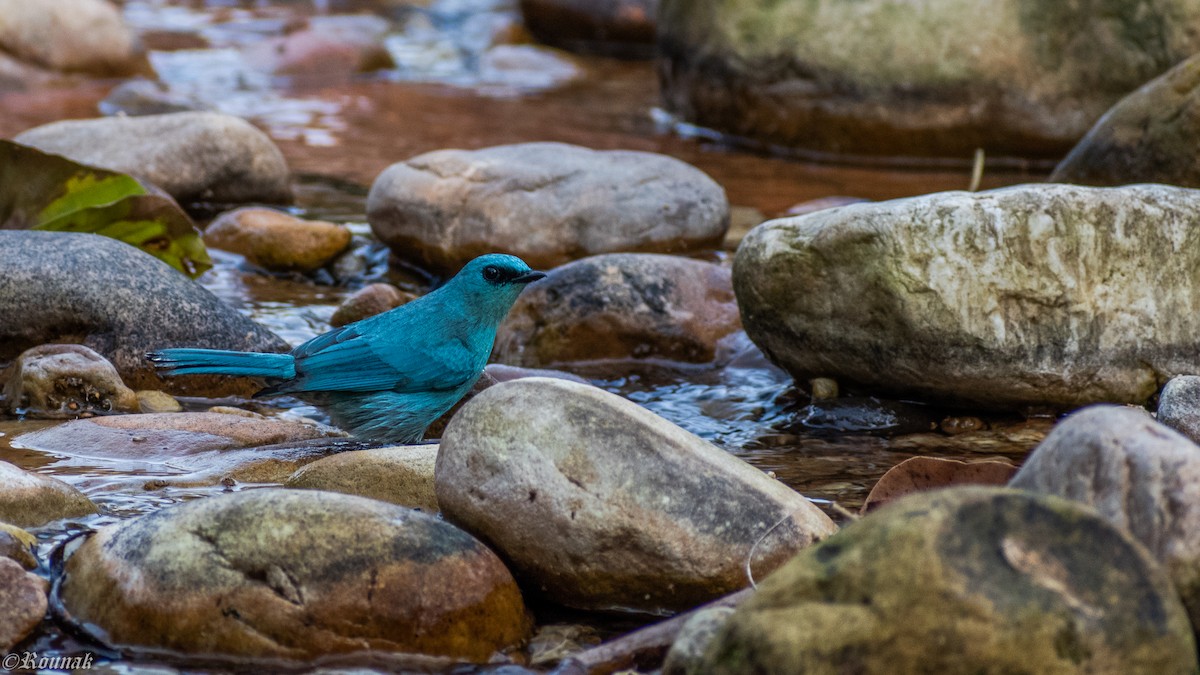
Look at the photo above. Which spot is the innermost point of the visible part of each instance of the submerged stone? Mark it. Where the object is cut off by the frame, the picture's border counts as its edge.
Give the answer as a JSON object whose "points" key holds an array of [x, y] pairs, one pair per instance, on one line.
{"points": [[964, 581]]}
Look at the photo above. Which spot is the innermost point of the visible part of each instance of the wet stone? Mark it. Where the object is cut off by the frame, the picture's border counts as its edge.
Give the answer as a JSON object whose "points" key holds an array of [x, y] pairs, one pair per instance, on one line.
{"points": [[22, 603], [18, 545], [294, 574], [31, 500], [73, 36], [961, 581], [621, 306], [154, 401], [548, 203], [1139, 474], [277, 241], [120, 302], [193, 156], [598, 503], [63, 381], [368, 301], [400, 475]]}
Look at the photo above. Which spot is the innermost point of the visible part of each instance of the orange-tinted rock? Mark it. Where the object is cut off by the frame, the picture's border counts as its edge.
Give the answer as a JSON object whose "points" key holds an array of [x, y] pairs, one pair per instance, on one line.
{"points": [[621, 306], [22, 603], [368, 301], [277, 241], [294, 574]]}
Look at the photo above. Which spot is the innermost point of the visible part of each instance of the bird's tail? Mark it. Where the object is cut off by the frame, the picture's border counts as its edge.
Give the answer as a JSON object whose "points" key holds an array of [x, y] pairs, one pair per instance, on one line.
{"points": [[221, 362]]}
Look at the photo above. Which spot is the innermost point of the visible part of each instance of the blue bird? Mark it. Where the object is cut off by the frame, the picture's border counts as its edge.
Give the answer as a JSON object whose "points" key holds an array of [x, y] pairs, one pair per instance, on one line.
{"points": [[388, 377]]}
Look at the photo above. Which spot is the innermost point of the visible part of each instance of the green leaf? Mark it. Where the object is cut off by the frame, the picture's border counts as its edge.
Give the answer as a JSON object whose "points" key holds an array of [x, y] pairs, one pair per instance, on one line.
{"points": [[40, 191]]}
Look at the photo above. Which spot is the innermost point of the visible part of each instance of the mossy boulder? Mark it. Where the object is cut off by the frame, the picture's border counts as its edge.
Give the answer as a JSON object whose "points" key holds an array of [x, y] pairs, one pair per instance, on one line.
{"points": [[964, 581]]}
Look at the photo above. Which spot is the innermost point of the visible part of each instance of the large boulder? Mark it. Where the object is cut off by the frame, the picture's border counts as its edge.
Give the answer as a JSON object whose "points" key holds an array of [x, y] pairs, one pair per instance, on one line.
{"points": [[74, 36], [294, 574], [32, 500], [599, 503], [548, 203], [1150, 136], [120, 302], [1049, 295], [1139, 474], [930, 78], [964, 581], [621, 306], [193, 156]]}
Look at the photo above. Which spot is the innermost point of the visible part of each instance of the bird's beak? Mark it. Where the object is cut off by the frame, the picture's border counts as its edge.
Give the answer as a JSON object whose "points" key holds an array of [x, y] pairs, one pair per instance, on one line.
{"points": [[528, 277]]}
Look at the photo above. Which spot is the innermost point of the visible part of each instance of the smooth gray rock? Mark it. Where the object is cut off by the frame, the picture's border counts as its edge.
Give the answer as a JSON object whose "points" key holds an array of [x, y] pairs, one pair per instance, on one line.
{"points": [[294, 574], [193, 156], [119, 301], [1150, 136], [598, 503], [1045, 295], [931, 78], [548, 203], [963, 581], [1139, 474], [1179, 405], [73, 36], [621, 306]]}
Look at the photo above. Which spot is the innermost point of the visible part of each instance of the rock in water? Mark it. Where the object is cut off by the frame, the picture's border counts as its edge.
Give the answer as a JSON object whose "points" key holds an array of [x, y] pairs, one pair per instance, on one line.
{"points": [[400, 474], [31, 500], [119, 301], [964, 581], [277, 241], [548, 203], [929, 78], [54, 381], [1147, 137], [193, 156], [621, 306], [1139, 474], [1050, 295], [22, 604], [599, 503], [294, 574]]}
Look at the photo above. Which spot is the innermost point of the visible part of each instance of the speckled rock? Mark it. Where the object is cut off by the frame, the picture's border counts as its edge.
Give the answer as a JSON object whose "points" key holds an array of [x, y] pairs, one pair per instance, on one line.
{"points": [[56, 381], [548, 203], [686, 654], [598, 503], [963, 581], [193, 156], [294, 574], [31, 500], [277, 241], [1050, 295], [605, 26], [1150, 136], [119, 301], [83, 36], [401, 475], [368, 301], [1179, 405], [22, 603], [621, 306], [930, 78], [1140, 475]]}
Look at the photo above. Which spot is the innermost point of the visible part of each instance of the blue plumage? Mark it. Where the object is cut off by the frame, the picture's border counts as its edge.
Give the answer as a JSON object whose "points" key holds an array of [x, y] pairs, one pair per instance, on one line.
{"points": [[390, 376]]}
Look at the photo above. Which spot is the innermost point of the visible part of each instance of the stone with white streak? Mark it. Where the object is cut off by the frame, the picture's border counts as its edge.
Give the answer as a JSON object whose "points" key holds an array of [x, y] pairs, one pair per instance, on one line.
{"points": [[1050, 295]]}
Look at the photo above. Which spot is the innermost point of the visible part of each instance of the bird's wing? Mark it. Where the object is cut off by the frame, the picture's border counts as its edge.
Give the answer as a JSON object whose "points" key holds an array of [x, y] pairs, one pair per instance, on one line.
{"points": [[346, 360]]}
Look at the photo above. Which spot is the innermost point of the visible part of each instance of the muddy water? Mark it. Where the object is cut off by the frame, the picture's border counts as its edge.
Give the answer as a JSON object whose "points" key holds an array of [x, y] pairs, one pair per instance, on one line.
{"points": [[338, 132]]}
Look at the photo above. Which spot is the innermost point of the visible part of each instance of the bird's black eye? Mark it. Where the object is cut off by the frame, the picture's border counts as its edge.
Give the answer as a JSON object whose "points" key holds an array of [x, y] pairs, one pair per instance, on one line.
{"points": [[491, 273]]}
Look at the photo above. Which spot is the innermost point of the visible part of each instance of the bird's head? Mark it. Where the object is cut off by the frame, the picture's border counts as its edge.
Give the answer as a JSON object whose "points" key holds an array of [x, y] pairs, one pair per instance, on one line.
{"points": [[491, 283]]}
